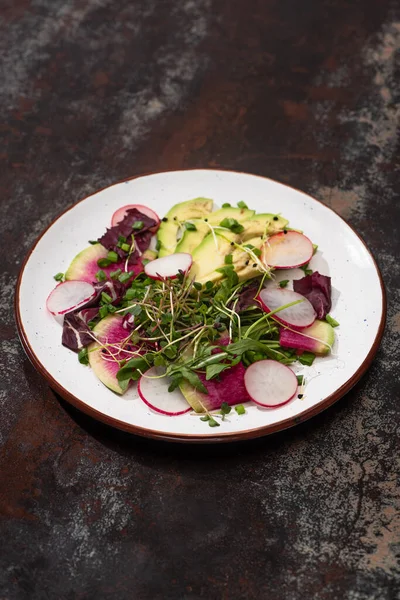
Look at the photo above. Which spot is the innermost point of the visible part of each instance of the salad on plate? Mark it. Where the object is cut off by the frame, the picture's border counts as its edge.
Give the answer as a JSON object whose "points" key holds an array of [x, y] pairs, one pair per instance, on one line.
{"points": [[193, 307]]}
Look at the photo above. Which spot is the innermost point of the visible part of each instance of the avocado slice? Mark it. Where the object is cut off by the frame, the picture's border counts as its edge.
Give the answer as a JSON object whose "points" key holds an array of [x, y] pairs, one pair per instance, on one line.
{"points": [[169, 226], [240, 214], [263, 224], [191, 239], [207, 257]]}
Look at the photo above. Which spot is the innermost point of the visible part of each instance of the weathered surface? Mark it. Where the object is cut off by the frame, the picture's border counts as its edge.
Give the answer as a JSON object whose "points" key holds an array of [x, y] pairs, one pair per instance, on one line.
{"points": [[93, 91]]}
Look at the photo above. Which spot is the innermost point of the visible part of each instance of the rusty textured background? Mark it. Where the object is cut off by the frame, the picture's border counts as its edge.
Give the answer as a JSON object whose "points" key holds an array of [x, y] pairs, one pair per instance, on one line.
{"points": [[92, 91]]}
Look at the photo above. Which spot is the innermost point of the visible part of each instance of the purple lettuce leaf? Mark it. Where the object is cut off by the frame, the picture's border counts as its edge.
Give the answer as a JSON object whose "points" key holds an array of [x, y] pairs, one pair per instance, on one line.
{"points": [[247, 295], [317, 289], [76, 334], [124, 228]]}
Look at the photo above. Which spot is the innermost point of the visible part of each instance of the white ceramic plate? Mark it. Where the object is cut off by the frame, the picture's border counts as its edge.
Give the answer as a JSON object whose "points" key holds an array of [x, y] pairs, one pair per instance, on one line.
{"points": [[358, 302]]}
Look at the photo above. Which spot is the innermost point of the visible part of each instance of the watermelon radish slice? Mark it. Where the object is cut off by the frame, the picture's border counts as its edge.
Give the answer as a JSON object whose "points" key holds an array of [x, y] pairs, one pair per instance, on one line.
{"points": [[154, 393], [145, 210], [69, 296], [84, 266], [105, 361], [318, 338], [269, 383], [229, 388], [287, 250], [298, 316], [169, 266]]}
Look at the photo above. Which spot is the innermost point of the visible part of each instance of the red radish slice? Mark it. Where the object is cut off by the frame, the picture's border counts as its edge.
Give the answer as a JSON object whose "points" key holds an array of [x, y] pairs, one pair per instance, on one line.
{"points": [[169, 266], [68, 296], [298, 316], [269, 383], [121, 212], [287, 250], [154, 393]]}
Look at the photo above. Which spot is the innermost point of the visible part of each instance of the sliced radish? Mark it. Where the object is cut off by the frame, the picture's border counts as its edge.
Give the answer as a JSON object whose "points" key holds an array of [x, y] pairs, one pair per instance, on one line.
{"points": [[269, 383], [145, 210], [298, 316], [154, 393], [169, 266], [287, 250], [68, 296]]}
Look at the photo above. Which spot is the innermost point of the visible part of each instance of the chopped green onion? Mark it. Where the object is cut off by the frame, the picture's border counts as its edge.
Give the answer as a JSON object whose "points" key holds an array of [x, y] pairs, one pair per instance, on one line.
{"points": [[130, 294], [306, 270], [59, 277], [125, 247], [242, 204], [115, 274], [137, 225], [283, 283], [106, 298], [240, 409], [103, 312], [103, 262], [332, 322], [307, 358], [112, 256], [124, 277], [101, 276], [158, 245]]}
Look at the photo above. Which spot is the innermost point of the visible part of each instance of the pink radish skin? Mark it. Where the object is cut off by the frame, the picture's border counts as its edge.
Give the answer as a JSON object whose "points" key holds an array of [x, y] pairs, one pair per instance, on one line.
{"points": [[68, 296], [287, 250], [298, 316], [154, 393], [269, 383], [169, 266], [121, 212]]}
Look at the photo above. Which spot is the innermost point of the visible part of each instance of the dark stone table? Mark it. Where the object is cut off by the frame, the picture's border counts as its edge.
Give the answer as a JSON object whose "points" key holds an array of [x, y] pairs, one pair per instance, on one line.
{"points": [[93, 91]]}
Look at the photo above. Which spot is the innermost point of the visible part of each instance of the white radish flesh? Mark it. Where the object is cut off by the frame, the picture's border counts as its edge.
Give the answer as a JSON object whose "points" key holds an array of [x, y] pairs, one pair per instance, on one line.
{"points": [[154, 393], [269, 383], [287, 250], [297, 316], [68, 296], [145, 210], [169, 266]]}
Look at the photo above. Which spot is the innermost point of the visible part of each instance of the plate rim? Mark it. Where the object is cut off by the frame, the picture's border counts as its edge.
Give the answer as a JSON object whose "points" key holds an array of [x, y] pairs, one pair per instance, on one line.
{"points": [[197, 438]]}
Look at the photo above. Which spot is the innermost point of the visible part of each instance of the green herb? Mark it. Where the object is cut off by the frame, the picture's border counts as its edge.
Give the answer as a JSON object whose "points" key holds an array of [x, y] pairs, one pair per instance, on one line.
{"points": [[315, 248], [197, 286], [306, 270], [101, 276], [332, 322], [212, 422], [225, 410], [205, 418], [190, 226], [228, 259], [240, 409], [242, 204], [83, 356], [307, 358], [232, 224], [137, 225], [300, 379], [158, 245], [283, 283], [93, 242], [226, 205], [59, 277], [112, 256], [214, 370]]}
